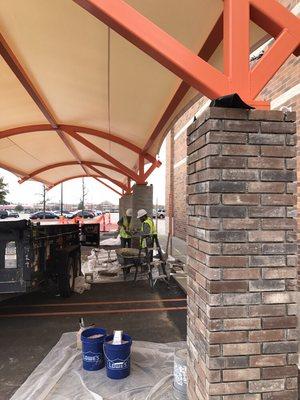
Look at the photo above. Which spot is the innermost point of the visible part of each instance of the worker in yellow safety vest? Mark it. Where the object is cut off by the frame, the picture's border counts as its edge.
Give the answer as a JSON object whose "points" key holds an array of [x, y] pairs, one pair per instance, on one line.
{"points": [[148, 230], [125, 228]]}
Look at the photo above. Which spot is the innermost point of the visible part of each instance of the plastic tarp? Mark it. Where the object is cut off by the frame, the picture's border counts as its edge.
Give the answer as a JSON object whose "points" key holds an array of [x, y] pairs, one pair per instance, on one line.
{"points": [[60, 375]]}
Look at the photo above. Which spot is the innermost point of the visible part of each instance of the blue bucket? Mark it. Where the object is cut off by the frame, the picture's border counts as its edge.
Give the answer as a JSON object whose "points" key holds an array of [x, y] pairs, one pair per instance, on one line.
{"points": [[117, 357], [92, 349]]}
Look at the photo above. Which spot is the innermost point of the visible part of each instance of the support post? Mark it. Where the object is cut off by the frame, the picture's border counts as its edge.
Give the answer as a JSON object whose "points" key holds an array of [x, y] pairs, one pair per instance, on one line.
{"points": [[242, 259], [142, 197], [125, 202]]}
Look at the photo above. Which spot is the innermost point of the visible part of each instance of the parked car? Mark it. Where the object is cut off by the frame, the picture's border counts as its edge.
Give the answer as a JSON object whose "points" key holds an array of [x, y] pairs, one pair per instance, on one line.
{"points": [[161, 213], [3, 214], [82, 214], [44, 215], [97, 212], [13, 214]]}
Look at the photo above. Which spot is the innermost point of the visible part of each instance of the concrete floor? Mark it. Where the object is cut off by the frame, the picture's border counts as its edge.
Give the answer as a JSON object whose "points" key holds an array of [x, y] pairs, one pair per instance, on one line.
{"points": [[25, 340]]}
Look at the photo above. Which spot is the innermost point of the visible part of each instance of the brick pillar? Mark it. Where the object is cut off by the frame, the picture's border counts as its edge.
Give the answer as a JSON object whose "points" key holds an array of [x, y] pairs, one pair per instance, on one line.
{"points": [[142, 197], [125, 202], [242, 256]]}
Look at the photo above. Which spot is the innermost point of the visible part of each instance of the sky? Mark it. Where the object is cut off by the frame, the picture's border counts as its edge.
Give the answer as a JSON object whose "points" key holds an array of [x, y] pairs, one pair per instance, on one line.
{"points": [[30, 192]]}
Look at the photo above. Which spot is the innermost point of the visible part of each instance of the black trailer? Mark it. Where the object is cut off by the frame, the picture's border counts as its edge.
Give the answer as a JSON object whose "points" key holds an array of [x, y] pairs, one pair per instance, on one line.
{"points": [[39, 254]]}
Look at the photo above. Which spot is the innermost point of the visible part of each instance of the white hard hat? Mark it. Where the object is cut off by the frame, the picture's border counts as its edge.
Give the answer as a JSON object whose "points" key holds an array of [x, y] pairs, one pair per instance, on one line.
{"points": [[129, 212], [141, 213]]}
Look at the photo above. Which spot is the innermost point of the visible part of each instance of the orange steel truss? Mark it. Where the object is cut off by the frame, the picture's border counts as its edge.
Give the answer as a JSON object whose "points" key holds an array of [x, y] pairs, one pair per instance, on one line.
{"points": [[194, 70]]}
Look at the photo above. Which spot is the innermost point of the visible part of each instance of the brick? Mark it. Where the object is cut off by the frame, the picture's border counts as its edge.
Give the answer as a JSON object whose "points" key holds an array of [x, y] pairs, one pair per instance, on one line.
{"points": [[227, 337], [266, 335], [266, 285], [286, 395], [228, 261], [269, 385], [240, 199], [261, 138], [240, 223], [278, 223], [241, 349], [227, 388], [227, 312], [242, 273], [227, 187], [279, 372], [206, 198], [237, 362], [241, 324], [266, 236], [247, 374], [242, 175], [241, 248], [267, 310], [276, 298], [279, 273], [278, 176], [267, 211], [278, 127], [278, 199], [279, 248], [227, 113], [227, 211], [266, 187], [226, 137], [227, 287], [278, 151], [267, 261], [240, 149], [270, 115], [280, 347], [279, 322], [266, 163], [242, 397], [241, 126], [227, 236], [268, 360], [226, 162]]}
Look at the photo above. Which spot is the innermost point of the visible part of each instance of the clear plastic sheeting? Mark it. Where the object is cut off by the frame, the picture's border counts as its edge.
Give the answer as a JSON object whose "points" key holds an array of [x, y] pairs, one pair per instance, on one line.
{"points": [[60, 375]]}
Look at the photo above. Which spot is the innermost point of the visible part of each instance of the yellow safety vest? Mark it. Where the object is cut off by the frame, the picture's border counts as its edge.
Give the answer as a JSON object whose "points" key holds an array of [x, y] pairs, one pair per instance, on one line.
{"points": [[126, 227], [149, 221]]}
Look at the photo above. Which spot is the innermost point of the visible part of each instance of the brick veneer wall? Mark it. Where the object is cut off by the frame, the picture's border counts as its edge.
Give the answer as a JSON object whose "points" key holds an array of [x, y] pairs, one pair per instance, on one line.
{"points": [[242, 256]]}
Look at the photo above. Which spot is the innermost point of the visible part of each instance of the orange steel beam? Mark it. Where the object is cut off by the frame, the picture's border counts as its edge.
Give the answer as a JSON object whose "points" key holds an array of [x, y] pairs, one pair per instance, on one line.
{"points": [[103, 175], [108, 186], [64, 164], [103, 154], [272, 60], [89, 131], [159, 45], [236, 45], [149, 171], [213, 41]]}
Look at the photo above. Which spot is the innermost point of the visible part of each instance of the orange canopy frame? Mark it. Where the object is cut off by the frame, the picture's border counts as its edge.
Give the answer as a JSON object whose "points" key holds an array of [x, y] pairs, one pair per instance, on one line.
{"points": [[94, 92]]}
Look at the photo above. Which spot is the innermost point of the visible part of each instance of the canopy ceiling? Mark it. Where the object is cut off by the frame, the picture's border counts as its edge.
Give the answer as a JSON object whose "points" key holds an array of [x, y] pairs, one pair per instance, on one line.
{"points": [[80, 74]]}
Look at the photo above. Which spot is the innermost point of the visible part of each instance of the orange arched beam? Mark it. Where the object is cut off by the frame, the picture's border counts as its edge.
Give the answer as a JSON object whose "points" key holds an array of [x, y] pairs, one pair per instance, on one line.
{"points": [[108, 186], [66, 163], [73, 128]]}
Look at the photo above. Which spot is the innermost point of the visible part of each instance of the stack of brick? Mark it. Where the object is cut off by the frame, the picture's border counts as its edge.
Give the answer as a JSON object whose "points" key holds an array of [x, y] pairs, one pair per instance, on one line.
{"points": [[242, 256]]}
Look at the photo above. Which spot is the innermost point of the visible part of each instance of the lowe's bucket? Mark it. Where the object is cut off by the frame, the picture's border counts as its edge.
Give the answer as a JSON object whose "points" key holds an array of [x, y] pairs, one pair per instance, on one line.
{"points": [[92, 348], [117, 357]]}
